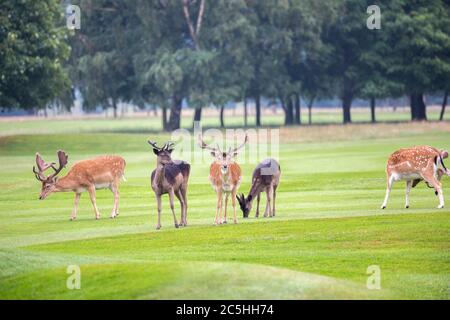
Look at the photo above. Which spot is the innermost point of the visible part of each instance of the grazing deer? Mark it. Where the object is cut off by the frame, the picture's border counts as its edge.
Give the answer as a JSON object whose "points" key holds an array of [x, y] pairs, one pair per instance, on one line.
{"points": [[225, 177], [98, 173], [170, 176], [266, 177], [416, 164]]}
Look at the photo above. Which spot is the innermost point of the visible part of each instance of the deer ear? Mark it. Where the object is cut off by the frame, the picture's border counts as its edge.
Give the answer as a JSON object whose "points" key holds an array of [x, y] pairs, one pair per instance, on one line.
{"points": [[213, 153], [249, 198], [170, 151], [155, 151], [444, 154]]}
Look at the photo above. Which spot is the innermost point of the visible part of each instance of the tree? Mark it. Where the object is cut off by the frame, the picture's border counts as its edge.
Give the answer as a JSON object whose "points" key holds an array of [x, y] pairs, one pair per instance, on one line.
{"points": [[33, 49], [419, 39], [350, 40], [101, 64]]}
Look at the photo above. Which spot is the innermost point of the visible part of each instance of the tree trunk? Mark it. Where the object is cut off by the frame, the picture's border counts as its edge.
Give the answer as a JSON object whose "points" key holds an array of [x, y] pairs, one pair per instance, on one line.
{"points": [[175, 114], [310, 104], [444, 105], [418, 107], [372, 110], [198, 115], [245, 113], [289, 112], [114, 105], [164, 118], [297, 115], [258, 110], [222, 123], [346, 105]]}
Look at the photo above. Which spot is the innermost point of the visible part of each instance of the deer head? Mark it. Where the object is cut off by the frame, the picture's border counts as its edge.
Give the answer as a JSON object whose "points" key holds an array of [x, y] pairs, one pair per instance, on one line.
{"points": [[163, 153], [223, 158], [49, 183], [245, 204]]}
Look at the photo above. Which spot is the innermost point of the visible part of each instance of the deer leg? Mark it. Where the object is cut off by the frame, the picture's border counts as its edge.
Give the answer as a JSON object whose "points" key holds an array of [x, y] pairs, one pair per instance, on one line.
{"points": [[180, 198], [233, 203], [267, 212], [75, 206], [408, 190], [91, 191], [431, 179], [115, 190], [172, 207], [274, 195], [184, 195], [219, 205], [390, 182], [258, 198], [158, 201], [226, 205]]}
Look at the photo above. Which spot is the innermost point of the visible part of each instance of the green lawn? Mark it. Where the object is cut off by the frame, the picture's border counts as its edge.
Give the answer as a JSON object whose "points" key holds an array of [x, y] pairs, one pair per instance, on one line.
{"points": [[327, 232]]}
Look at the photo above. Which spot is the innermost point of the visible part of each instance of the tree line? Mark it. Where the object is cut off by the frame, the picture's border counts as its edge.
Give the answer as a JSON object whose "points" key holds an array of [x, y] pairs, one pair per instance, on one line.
{"points": [[204, 52]]}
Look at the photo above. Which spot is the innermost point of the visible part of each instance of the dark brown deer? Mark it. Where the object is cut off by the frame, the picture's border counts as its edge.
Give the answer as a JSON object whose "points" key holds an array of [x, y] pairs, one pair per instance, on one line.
{"points": [[171, 177], [414, 165], [87, 175], [266, 177]]}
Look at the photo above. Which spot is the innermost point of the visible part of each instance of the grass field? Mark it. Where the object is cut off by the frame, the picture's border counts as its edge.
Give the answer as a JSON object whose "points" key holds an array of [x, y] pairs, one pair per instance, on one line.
{"points": [[327, 232]]}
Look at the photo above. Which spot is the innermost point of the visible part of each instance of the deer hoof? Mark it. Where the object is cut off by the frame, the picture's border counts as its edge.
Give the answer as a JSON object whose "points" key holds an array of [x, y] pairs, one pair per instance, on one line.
{"points": [[176, 225], [441, 206], [97, 218], [383, 207], [407, 207], [225, 221], [72, 218], [235, 221], [158, 227]]}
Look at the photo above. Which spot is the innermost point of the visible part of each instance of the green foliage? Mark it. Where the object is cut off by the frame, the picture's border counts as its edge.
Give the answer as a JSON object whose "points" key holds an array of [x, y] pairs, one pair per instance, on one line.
{"points": [[33, 50]]}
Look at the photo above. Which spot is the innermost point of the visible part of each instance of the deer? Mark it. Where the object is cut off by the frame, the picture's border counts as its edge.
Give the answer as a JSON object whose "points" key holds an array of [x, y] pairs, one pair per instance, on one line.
{"points": [[86, 175], [266, 177], [170, 177], [414, 165], [225, 176]]}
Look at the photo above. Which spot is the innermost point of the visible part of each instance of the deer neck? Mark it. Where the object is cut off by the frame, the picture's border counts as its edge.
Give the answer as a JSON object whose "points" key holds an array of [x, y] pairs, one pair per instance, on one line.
{"points": [[64, 184], [159, 174], [254, 190]]}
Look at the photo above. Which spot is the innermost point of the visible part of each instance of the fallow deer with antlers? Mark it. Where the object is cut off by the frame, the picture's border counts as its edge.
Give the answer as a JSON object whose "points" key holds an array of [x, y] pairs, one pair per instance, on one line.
{"points": [[87, 175], [266, 177], [171, 177], [225, 177], [414, 165]]}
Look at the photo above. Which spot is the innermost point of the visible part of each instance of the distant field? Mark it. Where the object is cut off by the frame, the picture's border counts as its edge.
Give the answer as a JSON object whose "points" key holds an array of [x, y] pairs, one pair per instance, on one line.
{"points": [[144, 123], [327, 231]]}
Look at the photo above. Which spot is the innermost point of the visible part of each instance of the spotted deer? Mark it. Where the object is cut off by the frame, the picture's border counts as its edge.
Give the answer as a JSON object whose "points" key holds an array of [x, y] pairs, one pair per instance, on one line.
{"points": [[225, 176], [87, 175], [266, 177], [170, 177], [414, 165]]}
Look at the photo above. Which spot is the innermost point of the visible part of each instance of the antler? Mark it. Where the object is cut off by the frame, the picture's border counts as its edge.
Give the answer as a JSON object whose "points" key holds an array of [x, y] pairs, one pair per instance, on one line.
{"points": [[62, 158], [167, 146], [203, 145], [42, 165], [240, 147], [153, 144]]}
